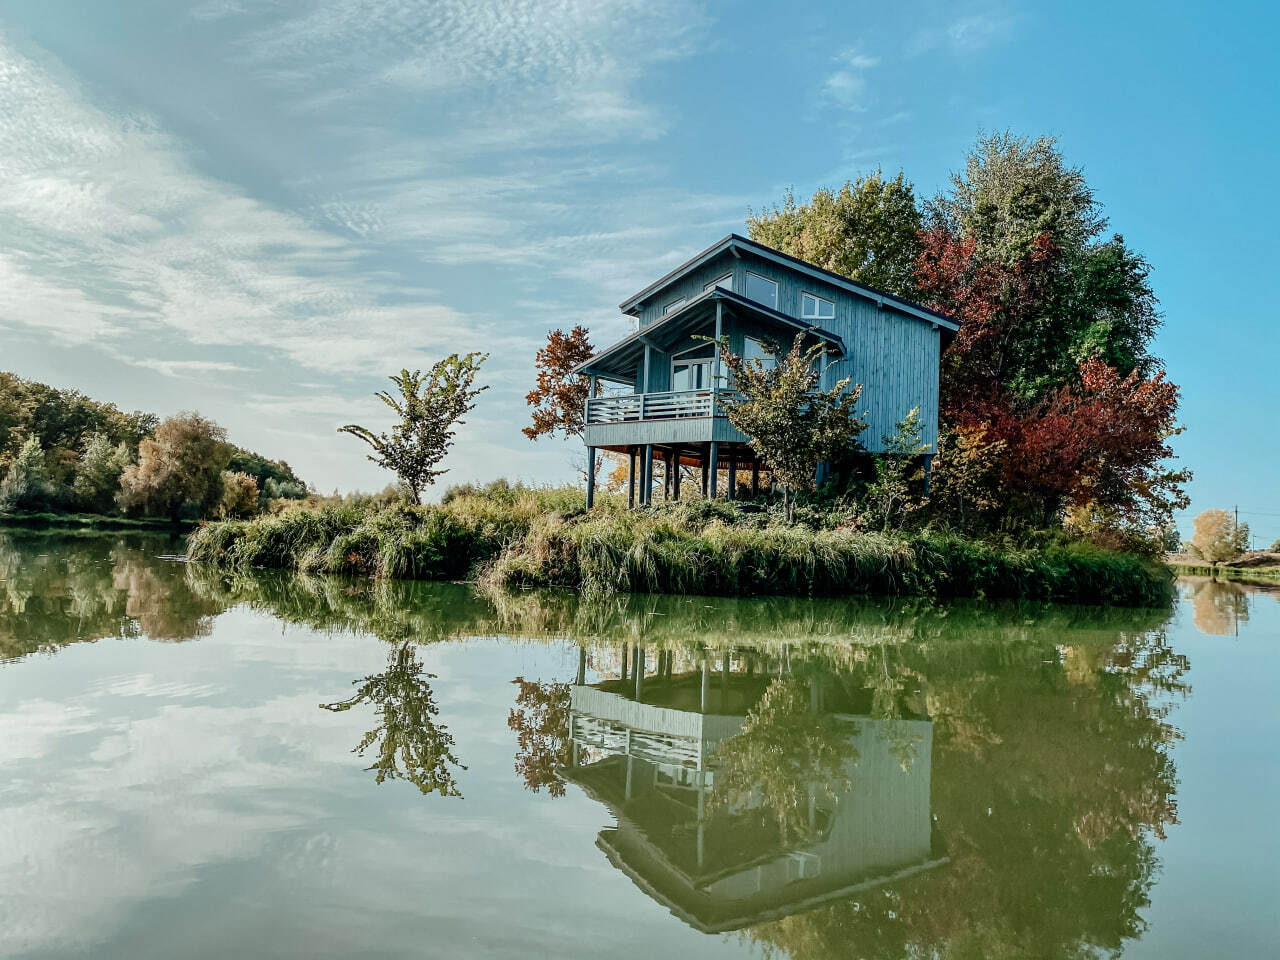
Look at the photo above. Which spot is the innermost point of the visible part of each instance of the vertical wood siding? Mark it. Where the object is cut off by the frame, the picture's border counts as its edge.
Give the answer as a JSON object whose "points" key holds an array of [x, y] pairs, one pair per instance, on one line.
{"points": [[894, 356]]}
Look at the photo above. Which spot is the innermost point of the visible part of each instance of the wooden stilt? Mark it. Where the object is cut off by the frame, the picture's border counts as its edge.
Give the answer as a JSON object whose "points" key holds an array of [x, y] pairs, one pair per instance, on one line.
{"points": [[733, 477], [631, 478], [591, 477], [755, 477], [714, 458]]}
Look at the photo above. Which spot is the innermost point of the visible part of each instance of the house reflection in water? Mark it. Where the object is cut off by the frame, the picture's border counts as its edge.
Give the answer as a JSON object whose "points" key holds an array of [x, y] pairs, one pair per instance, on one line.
{"points": [[656, 750]]}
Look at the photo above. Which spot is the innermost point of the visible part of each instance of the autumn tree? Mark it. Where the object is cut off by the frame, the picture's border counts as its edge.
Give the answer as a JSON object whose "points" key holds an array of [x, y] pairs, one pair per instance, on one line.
{"points": [[559, 400], [429, 407], [1052, 358], [792, 423], [239, 495], [867, 230], [1217, 537], [179, 469]]}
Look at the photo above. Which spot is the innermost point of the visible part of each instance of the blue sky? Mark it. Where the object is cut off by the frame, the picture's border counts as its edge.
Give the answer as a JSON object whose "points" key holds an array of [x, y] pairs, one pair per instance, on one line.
{"points": [[258, 208]]}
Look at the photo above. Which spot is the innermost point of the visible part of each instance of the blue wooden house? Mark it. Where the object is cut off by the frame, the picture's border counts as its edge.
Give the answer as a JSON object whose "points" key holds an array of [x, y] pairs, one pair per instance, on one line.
{"points": [[659, 393]]}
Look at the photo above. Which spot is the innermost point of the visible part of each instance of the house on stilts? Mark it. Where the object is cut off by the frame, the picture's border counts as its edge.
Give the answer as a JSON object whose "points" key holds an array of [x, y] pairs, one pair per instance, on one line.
{"points": [[667, 401]]}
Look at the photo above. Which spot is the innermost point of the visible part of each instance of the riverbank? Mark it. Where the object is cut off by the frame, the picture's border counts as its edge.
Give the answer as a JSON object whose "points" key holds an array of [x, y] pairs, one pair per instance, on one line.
{"points": [[88, 521], [521, 538]]}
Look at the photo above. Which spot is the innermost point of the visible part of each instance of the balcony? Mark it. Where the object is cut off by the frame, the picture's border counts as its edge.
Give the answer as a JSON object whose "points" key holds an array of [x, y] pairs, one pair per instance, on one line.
{"points": [[669, 405]]}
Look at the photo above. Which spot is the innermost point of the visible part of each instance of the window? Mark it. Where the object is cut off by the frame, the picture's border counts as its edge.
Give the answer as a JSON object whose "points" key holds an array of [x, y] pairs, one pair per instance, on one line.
{"points": [[690, 374], [674, 305], [753, 349], [762, 290], [816, 308], [724, 283]]}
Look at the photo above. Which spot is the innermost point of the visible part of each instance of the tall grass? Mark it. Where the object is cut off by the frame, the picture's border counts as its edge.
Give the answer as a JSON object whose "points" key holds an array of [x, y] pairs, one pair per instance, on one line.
{"points": [[514, 536]]}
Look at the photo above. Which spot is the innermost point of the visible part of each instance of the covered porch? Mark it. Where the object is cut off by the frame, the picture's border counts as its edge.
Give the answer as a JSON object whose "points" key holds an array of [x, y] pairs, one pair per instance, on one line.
{"points": [[669, 393]]}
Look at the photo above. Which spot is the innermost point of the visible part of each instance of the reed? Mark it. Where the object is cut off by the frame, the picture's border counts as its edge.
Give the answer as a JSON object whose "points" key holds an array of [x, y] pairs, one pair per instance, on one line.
{"points": [[519, 537]]}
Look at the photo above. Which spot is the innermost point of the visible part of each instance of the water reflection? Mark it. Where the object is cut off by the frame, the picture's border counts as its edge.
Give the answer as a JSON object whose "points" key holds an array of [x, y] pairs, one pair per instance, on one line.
{"points": [[751, 794], [823, 777], [409, 743]]}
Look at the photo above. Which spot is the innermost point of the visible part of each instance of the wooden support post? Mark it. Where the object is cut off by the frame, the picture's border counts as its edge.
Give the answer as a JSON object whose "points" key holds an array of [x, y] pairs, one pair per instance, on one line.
{"points": [[733, 476], [624, 663], [928, 473], [639, 671], [591, 477], [706, 477], [675, 477], [646, 472], [755, 476], [666, 474], [631, 478], [582, 666], [714, 459], [706, 682]]}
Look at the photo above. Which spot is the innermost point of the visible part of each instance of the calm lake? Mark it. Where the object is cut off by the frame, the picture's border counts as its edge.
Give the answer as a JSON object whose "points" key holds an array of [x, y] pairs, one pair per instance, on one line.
{"points": [[196, 765]]}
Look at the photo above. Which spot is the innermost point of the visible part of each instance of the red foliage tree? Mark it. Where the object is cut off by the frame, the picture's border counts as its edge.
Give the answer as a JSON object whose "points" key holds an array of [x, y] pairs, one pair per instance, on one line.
{"points": [[560, 397]]}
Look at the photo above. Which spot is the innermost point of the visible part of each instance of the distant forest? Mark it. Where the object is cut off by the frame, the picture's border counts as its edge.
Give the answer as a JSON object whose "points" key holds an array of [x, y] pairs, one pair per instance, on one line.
{"points": [[64, 452]]}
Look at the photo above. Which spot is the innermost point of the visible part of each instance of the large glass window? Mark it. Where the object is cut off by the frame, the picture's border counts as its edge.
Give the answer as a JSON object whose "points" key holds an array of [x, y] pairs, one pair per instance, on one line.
{"points": [[724, 283], [813, 307], [762, 290], [691, 375]]}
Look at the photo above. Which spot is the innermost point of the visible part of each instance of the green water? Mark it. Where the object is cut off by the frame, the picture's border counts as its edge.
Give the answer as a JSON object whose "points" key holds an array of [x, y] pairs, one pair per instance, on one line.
{"points": [[200, 766]]}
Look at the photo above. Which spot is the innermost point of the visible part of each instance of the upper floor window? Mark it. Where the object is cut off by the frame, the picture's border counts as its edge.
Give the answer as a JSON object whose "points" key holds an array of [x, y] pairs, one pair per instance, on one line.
{"points": [[816, 308], [762, 290], [674, 305], [724, 283]]}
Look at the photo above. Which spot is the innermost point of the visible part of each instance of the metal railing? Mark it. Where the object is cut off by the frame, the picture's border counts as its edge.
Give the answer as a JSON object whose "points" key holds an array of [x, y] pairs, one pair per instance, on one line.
{"points": [[668, 405]]}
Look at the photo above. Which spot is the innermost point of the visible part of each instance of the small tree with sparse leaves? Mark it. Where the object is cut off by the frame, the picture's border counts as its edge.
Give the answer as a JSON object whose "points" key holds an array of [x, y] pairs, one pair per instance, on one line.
{"points": [[792, 423], [890, 496], [429, 408]]}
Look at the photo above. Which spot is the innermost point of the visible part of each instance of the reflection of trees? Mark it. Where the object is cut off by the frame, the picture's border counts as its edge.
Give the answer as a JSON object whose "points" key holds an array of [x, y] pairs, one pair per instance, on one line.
{"points": [[1052, 778], [785, 753], [61, 589], [540, 719], [408, 742], [1218, 607]]}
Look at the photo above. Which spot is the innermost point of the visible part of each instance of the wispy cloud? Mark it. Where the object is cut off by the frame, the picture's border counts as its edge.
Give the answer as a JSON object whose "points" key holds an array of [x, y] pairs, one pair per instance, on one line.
{"points": [[847, 84], [964, 34], [105, 219]]}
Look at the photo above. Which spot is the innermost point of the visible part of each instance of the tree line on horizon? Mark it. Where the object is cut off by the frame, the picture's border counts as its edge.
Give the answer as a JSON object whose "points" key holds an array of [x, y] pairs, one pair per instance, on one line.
{"points": [[64, 452]]}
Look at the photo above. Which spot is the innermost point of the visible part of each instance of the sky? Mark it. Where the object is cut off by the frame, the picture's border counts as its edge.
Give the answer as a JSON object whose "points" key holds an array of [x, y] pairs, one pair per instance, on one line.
{"points": [[261, 208]]}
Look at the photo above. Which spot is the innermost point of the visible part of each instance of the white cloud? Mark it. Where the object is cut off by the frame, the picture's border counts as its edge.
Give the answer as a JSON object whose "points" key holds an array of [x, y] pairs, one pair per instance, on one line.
{"points": [[184, 368], [106, 221], [847, 85]]}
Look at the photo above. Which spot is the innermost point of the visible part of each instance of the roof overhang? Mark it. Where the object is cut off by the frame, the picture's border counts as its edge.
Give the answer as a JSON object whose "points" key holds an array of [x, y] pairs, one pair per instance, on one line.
{"points": [[618, 362], [734, 243]]}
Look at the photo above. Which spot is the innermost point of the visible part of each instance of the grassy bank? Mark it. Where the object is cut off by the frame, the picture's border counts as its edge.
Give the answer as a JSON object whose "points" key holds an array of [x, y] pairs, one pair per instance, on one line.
{"points": [[87, 521], [516, 537]]}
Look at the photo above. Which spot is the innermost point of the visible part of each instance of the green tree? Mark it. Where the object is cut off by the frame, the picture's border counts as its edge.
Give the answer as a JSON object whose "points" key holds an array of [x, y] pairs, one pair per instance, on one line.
{"points": [[26, 485], [239, 495], [890, 497], [792, 423], [867, 230], [409, 743], [428, 407], [179, 469], [98, 473]]}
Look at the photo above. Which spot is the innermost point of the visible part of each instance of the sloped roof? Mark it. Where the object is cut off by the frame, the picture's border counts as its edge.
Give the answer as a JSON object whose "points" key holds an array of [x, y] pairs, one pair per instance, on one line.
{"points": [[695, 311], [735, 242]]}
